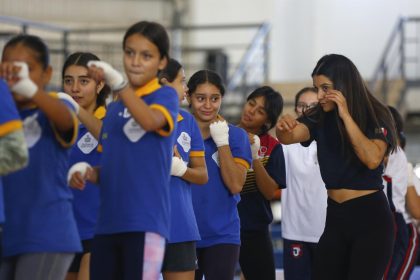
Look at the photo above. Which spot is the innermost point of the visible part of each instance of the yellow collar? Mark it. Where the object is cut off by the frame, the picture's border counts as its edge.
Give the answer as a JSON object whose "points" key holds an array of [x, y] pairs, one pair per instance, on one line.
{"points": [[100, 112], [179, 118], [148, 88]]}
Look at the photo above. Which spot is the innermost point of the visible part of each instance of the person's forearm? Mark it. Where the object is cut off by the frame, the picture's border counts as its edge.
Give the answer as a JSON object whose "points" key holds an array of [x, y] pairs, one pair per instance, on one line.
{"points": [[146, 117], [55, 110], [413, 202], [233, 174], [292, 134], [197, 175], [265, 183], [92, 124], [370, 152]]}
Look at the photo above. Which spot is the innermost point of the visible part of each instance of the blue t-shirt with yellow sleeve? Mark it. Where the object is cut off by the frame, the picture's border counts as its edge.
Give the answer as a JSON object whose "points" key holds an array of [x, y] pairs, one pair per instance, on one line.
{"points": [[86, 201], [9, 116], [135, 166], [37, 199], [9, 122], [214, 206], [189, 144]]}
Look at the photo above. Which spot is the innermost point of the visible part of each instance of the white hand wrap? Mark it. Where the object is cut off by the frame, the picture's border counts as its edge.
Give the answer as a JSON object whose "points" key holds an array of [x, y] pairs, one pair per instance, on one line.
{"points": [[67, 97], [112, 77], [81, 167], [25, 86], [219, 131], [255, 147], [178, 167]]}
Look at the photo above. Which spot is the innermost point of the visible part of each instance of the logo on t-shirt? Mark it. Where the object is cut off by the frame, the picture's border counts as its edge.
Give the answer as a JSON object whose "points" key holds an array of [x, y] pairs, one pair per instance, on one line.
{"points": [[126, 114], [381, 130], [32, 130], [133, 130], [87, 143], [185, 141], [263, 150]]}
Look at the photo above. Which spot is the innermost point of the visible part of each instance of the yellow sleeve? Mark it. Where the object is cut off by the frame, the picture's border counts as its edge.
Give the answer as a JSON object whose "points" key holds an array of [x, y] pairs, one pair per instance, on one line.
{"points": [[170, 127]]}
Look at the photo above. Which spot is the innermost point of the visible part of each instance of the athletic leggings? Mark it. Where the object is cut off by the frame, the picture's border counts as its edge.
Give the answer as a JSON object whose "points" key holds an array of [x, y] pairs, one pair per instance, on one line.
{"points": [[256, 257], [217, 262], [36, 266], [358, 239]]}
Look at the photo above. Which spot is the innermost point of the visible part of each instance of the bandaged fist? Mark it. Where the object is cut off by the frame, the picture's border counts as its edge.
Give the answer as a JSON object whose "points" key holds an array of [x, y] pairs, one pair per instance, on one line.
{"points": [[178, 167], [67, 97], [255, 147], [219, 131], [25, 86], [112, 77], [77, 175]]}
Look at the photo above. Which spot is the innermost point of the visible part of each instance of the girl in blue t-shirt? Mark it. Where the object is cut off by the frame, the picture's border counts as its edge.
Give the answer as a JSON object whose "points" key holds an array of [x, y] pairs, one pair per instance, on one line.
{"points": [[137, 138], [353, 132], [188, 167], [14, 153], [13, 150], [228, 156], [260, 113], [40, 235], [90, 95]]}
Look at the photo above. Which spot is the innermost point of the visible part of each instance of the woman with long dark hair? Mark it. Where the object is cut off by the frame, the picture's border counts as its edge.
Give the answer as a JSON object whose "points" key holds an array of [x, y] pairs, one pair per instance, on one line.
{"points": [[353, 132]]}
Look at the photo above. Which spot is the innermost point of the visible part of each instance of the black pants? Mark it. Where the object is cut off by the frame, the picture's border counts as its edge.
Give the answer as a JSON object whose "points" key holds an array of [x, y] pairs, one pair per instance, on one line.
{"points": [[357, 241], [298, 259], [256, 257]]}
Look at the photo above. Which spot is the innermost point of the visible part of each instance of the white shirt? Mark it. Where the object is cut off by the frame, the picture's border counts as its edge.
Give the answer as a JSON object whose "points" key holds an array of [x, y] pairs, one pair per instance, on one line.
{"points": [[397, 170], [413, 180], [304, 201]]}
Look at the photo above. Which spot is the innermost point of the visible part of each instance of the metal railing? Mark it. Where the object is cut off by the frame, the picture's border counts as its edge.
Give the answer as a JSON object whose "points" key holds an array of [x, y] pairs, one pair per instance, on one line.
{"points": [[255, 60], [399, 66], [244, 46]]}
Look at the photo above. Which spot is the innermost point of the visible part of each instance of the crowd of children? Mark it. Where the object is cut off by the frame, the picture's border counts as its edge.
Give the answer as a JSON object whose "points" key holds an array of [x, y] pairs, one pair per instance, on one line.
{"points": [[111, 179]]}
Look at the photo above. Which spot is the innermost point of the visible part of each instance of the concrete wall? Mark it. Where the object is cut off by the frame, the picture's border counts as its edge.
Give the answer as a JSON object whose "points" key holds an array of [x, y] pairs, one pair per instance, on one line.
{"points": [[305, 30], [86, 13], [302, 30]]}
